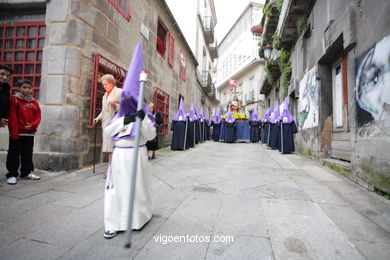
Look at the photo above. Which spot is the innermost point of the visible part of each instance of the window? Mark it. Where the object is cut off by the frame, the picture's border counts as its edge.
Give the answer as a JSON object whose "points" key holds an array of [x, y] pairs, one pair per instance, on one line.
{"points": [[161, 39], [183, 62], [102, 66], [123, 6], [171, 53], [161, 104], [21, 47]]}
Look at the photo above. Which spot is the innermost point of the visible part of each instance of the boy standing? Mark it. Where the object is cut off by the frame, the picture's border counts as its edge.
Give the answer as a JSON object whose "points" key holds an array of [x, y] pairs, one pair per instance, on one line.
{"points": [[24, 117]]}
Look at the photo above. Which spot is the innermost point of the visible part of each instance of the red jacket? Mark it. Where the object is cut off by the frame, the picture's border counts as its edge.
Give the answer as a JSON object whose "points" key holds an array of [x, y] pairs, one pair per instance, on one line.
{"points": [[22, 112]]}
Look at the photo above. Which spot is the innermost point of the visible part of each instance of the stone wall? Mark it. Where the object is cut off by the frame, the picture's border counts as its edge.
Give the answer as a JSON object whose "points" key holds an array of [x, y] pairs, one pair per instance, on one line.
{"points": [[76, 29]]}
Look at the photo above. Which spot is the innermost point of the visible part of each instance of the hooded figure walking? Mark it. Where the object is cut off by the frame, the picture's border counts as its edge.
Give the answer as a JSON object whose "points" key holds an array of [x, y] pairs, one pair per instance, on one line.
{"points": [[287, 130], [216, 124], [179, 127], [230, 128], [255, 124], [266, 126], [191, 118], [274, 137], [122, 129]]}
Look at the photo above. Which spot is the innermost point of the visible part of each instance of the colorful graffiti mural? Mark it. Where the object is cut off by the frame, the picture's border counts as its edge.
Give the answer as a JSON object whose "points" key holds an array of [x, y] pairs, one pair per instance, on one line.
{"points": [[373, 83], [308, 100]]}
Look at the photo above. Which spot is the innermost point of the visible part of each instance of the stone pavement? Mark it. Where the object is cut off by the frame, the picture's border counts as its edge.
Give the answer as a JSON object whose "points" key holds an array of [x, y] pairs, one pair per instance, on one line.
{"points": [[273, 205]]}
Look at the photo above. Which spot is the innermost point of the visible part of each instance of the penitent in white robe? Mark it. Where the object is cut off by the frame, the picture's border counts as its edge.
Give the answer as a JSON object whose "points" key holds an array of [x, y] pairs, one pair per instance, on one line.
{"points": [[118, 183]]}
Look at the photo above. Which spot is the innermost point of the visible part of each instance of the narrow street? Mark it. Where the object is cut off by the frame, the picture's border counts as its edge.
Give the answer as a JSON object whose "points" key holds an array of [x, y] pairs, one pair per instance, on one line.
{"points": [[273, 205]]}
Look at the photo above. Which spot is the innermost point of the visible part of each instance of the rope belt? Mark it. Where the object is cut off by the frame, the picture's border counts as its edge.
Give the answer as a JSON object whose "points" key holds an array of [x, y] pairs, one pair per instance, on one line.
{"points": [[126, 147]]}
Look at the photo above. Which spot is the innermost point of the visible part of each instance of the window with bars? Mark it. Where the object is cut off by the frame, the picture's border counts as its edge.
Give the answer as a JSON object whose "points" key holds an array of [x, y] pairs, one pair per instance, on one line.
{"points": [[161, 104], [21, 46], [123, 6], [161, 39]]}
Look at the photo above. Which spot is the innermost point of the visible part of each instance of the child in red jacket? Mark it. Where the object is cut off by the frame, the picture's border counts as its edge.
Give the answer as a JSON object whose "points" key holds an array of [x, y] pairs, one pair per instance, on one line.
{"points": [[23, 119]]}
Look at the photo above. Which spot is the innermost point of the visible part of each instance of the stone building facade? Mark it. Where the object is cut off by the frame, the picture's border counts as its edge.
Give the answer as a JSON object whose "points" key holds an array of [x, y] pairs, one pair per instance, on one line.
{"points": [[75, 32], [336, 65], [238, 59]]}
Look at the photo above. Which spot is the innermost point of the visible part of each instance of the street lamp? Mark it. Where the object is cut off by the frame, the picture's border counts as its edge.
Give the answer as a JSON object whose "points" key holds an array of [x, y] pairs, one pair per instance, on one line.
{"points": [[267, 51]]}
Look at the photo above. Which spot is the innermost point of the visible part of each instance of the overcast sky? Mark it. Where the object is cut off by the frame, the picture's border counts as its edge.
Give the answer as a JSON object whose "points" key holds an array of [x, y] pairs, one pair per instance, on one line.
{"points": [[227, 11]]}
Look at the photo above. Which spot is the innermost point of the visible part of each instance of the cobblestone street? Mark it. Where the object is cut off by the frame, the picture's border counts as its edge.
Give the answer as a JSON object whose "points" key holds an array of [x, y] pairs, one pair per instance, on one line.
{"points": [[273, 205]]}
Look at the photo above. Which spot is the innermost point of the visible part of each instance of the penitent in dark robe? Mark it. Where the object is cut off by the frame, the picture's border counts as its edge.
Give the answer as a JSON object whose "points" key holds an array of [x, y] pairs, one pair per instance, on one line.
{"points": [[207, 127], [274, 134], [202, 125], [265, 127], [191, 117], [216, 123], [254, 125], [287, 130], [230, 128], [179, 127]]}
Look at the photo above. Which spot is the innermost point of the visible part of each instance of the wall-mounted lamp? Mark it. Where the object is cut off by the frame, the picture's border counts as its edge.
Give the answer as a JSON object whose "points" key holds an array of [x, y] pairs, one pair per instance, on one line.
{"points": [[267, 51]]}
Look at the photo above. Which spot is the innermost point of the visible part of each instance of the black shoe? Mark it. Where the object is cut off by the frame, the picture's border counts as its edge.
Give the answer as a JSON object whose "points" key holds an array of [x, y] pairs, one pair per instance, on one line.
{"points": [[153, 157], [109, 234]]}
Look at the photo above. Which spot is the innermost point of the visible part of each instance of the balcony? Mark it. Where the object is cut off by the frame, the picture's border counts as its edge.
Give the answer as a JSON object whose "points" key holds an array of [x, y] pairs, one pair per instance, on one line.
{"points": [[213, 50], [208, 29], [249, 97], [270, 22], [205, 81]]}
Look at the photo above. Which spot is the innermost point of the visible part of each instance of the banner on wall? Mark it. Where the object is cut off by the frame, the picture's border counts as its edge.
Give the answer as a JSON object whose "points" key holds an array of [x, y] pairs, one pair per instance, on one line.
{"points": [[308, 100]]}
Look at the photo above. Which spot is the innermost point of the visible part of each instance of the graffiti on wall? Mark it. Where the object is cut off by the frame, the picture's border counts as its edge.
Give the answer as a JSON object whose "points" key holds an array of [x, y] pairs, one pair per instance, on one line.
{"points": [[308, 100], [372, 86]]}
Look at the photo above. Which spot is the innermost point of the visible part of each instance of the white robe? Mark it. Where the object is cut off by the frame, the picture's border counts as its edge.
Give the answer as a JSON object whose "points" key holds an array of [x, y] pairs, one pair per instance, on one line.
{"points": [[117, 197]]}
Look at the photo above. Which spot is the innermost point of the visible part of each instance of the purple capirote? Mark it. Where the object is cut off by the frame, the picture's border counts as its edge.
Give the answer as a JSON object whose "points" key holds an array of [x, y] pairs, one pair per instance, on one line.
{"points": [[286, 116], [180, 116], [192, 113], [229, 118], [276, 114], [255, 116], [129, 98], [217, 118], [267, 114]]}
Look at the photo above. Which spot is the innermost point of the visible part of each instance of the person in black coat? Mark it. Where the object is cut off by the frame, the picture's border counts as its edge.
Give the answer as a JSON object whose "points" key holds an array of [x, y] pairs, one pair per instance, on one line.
{"points": [[152, 145], [230, 128], [255, 124], [179, 128], [265, 127], [5, 74], [216, 124], [274, 136]]}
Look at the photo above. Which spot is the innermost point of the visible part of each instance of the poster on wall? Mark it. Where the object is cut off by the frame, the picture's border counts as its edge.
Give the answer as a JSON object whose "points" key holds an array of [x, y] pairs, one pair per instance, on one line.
{"points": [[308, 100], [372, 86]]}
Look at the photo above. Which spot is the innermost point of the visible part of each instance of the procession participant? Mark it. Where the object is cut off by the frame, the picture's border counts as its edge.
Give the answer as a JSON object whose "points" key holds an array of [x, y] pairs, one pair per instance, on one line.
{"points": [[230, 128], [216, 123], [207, 127], [179, 127], [197, 126], [110, 105], [254, 124], [191, 118], [274, 138], [287, 130], [202, 125], [266, 126], [122, 130]]}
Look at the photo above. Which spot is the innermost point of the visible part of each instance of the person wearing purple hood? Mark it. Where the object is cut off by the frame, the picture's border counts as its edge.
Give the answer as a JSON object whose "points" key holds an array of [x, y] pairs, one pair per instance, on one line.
{"points": [[202, 125], [287, 130], [207, 128], [191, 118], [179, 128], [254, 124], [216, 123], [274, 135], [230, 128], [122, 129], [266, 126]]}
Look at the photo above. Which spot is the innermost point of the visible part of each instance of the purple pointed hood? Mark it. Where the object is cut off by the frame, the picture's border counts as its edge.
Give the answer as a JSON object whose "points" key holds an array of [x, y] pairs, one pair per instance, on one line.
{"points": [[255, 116], [201, 113], [276, 114], [192, 113], [217, 117], [286, 116], [180, 116], [267, 114], [229, 118], [129, 98]]}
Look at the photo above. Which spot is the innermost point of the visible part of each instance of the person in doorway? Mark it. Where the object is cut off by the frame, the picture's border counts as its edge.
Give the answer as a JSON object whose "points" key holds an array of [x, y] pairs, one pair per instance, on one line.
{"points": [[24, 118], [152, 145], [110, 105]]}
